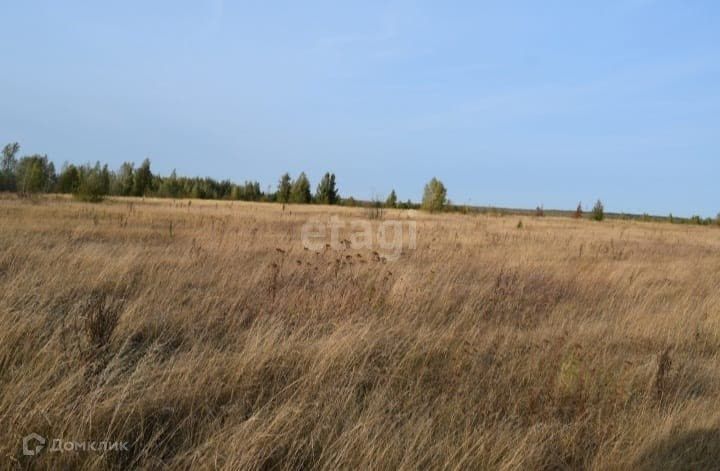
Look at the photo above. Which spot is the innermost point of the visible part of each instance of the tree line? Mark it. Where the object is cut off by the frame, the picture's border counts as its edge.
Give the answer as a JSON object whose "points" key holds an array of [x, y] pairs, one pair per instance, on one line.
{"points": [[32, 174]]}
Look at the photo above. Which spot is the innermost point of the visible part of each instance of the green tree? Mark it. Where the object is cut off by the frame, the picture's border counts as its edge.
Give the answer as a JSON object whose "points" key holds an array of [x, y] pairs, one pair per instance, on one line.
{"points": [[434, 196], [249, 191], [284, 188], [69, 179], [105, 179], [142, 182], [391, 200], [326, 191], [598, 211], [7, 168], [300, 192], [170, 186], [34, 174], [93, 186], [124, 180]]}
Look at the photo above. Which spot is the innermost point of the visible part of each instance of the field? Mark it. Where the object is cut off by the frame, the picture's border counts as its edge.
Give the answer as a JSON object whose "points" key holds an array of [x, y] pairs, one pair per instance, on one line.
{"points": [[204, 335]]}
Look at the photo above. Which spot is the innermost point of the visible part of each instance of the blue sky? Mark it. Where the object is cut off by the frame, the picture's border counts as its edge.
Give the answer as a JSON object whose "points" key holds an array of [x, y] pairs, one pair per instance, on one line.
{"points": [[509, 103]]}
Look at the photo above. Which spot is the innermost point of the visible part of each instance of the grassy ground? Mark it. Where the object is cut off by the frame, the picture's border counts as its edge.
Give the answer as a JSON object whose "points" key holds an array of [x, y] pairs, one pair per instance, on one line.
{"points": [[205, 336]]}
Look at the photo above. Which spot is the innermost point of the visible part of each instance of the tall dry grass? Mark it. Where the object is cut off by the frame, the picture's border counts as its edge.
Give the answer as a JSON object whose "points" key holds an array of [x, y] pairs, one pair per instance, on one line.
{"points": [[183, 330]]}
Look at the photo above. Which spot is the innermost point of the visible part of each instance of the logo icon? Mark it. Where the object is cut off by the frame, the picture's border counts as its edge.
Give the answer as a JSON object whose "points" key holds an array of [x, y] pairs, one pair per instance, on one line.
{"points": [[36, 439]]}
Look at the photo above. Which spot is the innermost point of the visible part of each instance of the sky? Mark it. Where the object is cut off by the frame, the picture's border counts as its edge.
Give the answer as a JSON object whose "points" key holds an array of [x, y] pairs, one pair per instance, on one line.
{"points": [[509, 103]]}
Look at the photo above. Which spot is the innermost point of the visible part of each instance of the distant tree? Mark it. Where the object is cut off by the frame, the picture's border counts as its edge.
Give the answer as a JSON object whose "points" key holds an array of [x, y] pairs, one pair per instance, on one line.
{"points": [[326, 191], [539, 211], [434, 196], [34, 174], [406, 205], [8, 166], [106, 180], [598, 211], [123, 182], [391, 200], [69, 179], [578, 212], [93, 186], [300, 192], [9, 153], [142, 182], [250, 191], [284, 188], [170, 187]]}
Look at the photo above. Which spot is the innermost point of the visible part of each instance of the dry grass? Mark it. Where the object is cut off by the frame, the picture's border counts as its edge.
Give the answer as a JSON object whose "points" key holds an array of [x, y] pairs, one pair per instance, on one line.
{"points": [[183, 330]]}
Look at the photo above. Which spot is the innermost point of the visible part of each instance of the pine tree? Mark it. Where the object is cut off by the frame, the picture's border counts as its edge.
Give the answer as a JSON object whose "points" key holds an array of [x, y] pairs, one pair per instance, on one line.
{"points": [[284, 189], [143, 179], [578, 212], [391, 201], [598, 212]]}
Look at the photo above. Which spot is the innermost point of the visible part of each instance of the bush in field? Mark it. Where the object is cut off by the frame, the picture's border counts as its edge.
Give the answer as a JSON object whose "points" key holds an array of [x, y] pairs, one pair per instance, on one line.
{"points": [[94, 183], [69, 179], [598, 211], [375, 208], [391, 200], [434, 196], [578, 212]]}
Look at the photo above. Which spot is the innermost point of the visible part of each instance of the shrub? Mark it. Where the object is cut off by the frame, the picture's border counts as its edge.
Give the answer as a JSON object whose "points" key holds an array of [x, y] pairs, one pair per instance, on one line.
{"points": [[93, 185], [391, 200], [598, 211], [578, 211], [69, 179], [375, 209], [101, 317]]}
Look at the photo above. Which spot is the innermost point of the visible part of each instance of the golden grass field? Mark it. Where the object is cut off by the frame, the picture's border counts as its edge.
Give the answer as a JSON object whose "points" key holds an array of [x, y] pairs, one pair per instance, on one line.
{"points": [[182, 330]]}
